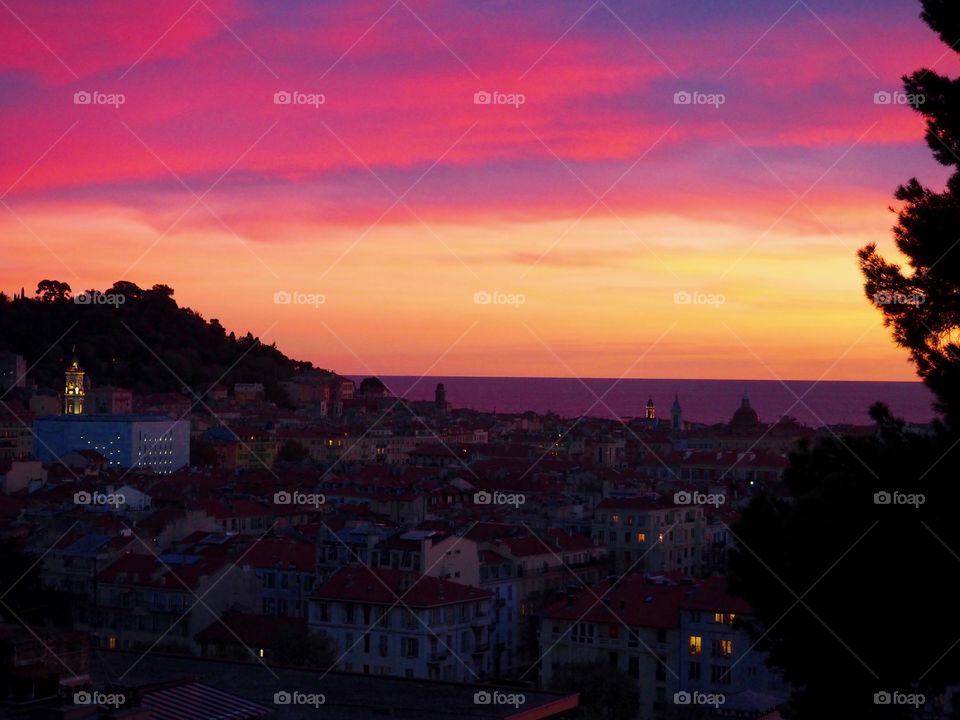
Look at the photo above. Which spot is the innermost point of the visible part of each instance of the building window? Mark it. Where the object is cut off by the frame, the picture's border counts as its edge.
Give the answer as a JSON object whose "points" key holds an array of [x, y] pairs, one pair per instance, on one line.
{"points": [[724, 618], [720, 675], [410, 647], [641, 537], [695, 671], [722, 648], [615, 519], [583, 633], [696, 645]]}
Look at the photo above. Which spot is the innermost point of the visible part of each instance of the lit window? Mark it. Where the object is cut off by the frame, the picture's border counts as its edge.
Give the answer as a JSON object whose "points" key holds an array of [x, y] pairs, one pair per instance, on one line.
{"points": [[696, 644], [615, 519], [641, 537]]}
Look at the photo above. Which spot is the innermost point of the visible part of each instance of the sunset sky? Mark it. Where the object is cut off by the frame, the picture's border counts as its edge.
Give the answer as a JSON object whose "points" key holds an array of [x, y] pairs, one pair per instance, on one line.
{"points": [[594, 202]]}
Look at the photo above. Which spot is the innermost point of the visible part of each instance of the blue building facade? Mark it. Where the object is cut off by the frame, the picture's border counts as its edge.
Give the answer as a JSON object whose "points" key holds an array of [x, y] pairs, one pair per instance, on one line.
{"points": [[157, 442]]}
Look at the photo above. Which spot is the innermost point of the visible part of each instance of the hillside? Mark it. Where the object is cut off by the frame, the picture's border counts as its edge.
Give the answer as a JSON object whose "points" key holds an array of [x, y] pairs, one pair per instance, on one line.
{"points": [[146, 342]]}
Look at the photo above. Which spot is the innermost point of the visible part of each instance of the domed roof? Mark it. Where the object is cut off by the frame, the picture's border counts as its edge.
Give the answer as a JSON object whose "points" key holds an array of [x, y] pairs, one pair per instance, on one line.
{"points": [[745, 416], [372, 386]]}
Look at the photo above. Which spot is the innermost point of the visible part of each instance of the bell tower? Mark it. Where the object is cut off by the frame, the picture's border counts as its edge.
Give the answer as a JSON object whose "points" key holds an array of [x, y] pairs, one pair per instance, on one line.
{"points": [[73, 392], [676, 414], [651, 410]]}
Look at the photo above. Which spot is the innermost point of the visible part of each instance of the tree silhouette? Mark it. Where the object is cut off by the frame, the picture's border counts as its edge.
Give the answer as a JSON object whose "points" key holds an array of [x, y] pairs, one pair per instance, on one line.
{"points": [[922, 305], [144, 342], [850, 577], [52, 290]]}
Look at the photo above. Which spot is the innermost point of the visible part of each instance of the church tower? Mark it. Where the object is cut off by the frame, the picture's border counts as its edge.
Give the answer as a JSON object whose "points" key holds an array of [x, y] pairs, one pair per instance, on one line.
{"points": [[651, 410], [676, 414], [440, 397], [73, 392]]}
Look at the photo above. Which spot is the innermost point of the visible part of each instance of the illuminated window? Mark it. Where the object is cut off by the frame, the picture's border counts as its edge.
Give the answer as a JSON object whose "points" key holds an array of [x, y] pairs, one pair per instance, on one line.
{"points": [[722, 648], [641, 537], [112, 643], [615, 519], [724, 618], [696, 645]]}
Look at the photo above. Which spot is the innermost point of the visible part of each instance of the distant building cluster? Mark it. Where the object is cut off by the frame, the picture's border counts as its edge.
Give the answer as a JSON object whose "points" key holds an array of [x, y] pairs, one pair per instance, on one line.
{"points": [[388, 539]]}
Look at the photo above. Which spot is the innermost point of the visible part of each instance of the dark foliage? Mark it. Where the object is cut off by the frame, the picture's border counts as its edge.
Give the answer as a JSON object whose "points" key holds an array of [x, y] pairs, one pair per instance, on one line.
{"points": [[922, 304], [134, 338], [605, 692], [855, 595]]}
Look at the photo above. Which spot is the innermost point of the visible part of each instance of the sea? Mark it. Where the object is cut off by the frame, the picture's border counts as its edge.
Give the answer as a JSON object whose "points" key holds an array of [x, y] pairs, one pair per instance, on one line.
{"points": [[812, 403]]}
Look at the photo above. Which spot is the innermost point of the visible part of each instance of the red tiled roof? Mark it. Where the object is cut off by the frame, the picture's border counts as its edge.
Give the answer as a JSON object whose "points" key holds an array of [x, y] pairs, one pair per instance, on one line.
{"points": [[221, 509], [383, 586], [257, 631], [632, 601], [637, 503], [711, 595], [635, 600], [269, 553], [146, 571]]}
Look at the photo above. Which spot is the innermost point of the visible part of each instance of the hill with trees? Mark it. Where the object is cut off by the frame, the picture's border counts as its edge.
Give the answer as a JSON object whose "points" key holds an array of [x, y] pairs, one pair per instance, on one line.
{"points": [[135, 338]]}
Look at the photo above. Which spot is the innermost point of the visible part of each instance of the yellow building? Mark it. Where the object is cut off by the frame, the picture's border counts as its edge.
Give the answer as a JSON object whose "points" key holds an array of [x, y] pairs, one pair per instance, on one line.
{"points": [[73, 392]]}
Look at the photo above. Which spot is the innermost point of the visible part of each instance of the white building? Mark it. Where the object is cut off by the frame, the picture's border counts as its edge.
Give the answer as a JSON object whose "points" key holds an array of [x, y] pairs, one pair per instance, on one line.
{"points": [[389, 622], [498, 574], [672, 638], [133, 499], [149, 441]]}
